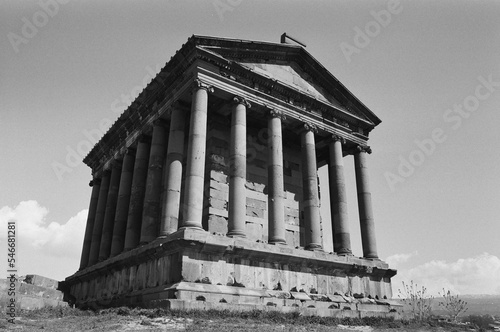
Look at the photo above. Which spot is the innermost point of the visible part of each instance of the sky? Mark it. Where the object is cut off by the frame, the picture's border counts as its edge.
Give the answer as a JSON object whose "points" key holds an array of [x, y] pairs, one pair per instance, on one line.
{"points": [[429, 69]]}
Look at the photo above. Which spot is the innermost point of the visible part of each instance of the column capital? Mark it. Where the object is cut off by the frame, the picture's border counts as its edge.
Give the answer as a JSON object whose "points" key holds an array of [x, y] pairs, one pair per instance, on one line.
{"points": [[116, 164], [240, 100], [143, 138], [130, 151], [336, 138], [364, 148], [310, 127], [199, 84], [277, 114], [94, 182], [160, 122]]}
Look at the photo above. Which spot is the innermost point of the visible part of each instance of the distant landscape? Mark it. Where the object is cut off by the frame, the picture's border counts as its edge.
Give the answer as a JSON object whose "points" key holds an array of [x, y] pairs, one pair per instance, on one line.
{"points": [[477, 304]]}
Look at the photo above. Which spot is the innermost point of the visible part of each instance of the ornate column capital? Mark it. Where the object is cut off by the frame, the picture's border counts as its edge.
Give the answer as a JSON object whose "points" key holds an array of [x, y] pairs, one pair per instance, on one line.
{"points": [[336, 138], [240, 100], [277, 114], [94, 182], [199, 84], [160, 122], [364, 148], [310, 127]]}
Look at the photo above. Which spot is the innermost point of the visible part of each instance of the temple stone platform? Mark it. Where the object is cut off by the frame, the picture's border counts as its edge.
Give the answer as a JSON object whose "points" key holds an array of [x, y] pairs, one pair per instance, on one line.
{"points": [[205, 191], [193, 269]]}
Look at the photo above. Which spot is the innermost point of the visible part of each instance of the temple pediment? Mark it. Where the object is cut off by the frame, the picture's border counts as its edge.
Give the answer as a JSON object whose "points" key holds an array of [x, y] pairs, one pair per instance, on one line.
{"points": [[291, 66], [295, 78]]}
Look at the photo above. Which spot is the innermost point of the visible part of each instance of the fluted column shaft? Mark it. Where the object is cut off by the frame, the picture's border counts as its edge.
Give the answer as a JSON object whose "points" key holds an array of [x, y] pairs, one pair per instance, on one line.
{"points": [[276, 195], [151, 211], [338, 200], [365, 204], [195, 168], [122, 203], [237, 169], [133, 232], [310, 190], [99, 218], [173, 174], [87, 241]]}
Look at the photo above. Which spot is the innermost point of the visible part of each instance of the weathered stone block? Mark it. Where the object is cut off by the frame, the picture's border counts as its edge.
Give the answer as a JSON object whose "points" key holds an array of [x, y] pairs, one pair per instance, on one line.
{"points": [[255, 203], [218, 194], [37, 280], [31, 303], [191, 271], [291, 212], [217, 212], [217, 224], [291, 238], [256, 186], [254, 230], [218, 203], [254, 212], [220, 186], [218, 176]]}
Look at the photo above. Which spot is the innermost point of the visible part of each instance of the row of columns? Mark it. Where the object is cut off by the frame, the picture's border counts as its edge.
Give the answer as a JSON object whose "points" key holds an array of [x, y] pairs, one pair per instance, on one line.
{"points": [[138, 199]]}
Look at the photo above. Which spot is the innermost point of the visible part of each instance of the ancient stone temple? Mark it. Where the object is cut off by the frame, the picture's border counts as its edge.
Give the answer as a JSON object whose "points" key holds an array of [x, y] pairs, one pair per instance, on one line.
{"points": [[205, 191]]}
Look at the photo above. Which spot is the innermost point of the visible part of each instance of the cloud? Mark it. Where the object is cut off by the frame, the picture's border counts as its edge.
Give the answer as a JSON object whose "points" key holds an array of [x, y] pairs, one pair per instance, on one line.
{"points": [[47, 248], [395, 260], [476, 275]]}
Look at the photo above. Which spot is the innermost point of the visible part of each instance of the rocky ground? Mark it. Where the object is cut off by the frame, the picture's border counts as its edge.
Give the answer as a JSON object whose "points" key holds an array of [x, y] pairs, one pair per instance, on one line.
{"points": [[124, 319]]}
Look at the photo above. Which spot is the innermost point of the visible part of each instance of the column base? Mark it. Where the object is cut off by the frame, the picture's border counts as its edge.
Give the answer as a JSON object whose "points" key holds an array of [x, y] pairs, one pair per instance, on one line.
{"points": [[314, 247], [236, 234], [189, 227], [277, 241], [344, 252]]}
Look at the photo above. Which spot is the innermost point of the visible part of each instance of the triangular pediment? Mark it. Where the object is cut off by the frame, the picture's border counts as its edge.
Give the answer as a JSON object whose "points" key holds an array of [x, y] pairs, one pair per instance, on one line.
{"points": [[291, 75], [291, 66]]}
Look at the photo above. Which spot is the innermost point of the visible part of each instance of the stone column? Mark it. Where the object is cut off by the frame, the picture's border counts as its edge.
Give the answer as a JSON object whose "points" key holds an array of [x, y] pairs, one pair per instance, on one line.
{"points": [[95, 184], [99, 218], [151, 211], [276, 196], [237, 169], [338, 200], [195, 168], [122, 204], [172, 174], [310, 189], [133, 232], [365, 204], [109, 215]]}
